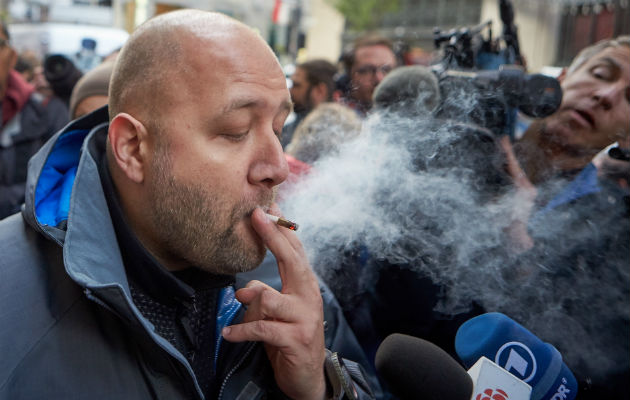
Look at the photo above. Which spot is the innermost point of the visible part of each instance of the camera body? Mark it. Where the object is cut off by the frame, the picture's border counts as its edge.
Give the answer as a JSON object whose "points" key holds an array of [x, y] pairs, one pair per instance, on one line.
{"points": [[483, 84]]}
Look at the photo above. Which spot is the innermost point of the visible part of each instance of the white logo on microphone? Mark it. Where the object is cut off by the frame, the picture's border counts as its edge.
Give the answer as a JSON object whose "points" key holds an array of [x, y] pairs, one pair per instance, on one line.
{"points": [[517, 359]]}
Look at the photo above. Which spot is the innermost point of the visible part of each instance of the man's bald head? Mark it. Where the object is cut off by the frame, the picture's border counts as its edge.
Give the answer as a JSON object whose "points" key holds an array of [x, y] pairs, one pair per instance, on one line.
{"points": [[160, 54]]}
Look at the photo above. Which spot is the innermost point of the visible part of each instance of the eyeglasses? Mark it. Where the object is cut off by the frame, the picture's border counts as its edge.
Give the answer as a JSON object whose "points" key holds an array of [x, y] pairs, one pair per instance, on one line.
{"points": [[372, 69]]}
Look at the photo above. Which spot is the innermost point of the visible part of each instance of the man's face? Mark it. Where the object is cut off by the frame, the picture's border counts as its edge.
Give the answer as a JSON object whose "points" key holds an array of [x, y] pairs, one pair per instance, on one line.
{"points": [[371, 65], [595, 108], [301, 91], [217, 156]]}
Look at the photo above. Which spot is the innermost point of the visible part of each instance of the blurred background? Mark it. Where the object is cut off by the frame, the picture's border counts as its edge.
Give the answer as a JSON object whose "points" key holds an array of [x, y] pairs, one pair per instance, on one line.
{"points": [[550, 31]]}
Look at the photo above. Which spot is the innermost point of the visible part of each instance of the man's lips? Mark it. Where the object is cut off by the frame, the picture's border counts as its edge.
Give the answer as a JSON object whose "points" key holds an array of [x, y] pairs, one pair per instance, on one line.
{"points": [[583, 117]]}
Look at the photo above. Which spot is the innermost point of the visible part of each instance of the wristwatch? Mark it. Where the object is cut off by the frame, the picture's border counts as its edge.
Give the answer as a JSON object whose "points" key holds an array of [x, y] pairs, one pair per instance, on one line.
{"points": [[338, 381]]}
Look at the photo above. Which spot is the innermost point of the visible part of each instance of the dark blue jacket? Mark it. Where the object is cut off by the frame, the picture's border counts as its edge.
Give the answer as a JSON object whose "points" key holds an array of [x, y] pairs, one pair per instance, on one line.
{"points": [[68, 326]]}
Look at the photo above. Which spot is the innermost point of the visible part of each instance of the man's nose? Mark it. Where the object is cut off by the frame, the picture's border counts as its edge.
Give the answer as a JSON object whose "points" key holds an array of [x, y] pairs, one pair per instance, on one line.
{"points": [[379, 74], [270, 167], [610, 95]]}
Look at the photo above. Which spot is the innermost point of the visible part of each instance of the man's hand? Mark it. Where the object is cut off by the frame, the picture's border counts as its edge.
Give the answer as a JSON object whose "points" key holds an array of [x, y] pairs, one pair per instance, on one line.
{"points": [[290, 322], [526, 194]]}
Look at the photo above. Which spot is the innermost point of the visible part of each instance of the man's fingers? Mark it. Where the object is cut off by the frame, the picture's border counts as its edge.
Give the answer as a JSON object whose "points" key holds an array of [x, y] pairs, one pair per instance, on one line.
{"points": [[272, 333], [292, 265], [251, 291], [264, 302]]}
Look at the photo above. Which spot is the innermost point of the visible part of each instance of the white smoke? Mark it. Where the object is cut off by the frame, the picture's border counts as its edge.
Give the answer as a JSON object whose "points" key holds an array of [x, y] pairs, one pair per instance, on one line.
{"points": [[429, 195]]}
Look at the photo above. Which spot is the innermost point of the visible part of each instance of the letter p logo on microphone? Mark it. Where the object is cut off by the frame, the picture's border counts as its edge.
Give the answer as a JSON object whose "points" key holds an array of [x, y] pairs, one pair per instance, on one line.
{"points": [[518, 359]]}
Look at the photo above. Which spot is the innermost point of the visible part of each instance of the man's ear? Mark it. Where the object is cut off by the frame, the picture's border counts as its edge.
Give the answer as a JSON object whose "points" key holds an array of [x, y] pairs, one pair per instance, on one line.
{"points": [[128, 137], [13, 58], [319, 93], [563, 74]]}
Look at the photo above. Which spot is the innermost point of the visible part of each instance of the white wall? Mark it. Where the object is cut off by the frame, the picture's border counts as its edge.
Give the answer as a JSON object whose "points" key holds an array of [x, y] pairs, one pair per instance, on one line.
{"points": [[324, 29]]}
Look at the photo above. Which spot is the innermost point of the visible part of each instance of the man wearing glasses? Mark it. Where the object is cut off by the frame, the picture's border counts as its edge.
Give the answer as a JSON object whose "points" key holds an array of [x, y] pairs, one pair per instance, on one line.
{"points": [[371, 60]]}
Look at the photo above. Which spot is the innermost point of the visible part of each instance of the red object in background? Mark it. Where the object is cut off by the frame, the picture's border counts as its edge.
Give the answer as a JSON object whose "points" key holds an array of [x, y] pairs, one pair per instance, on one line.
{"points": [[297, 170], [489, 394], [276, 11]]}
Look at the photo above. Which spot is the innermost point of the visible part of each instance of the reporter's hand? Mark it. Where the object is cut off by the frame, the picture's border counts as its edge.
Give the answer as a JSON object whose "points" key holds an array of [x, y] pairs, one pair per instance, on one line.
{"points": [[289, 322], [525, 197]]}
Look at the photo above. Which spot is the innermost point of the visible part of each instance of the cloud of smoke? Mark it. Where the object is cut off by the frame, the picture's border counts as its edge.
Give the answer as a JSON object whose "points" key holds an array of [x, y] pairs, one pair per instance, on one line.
{"points": [[431, 195]]}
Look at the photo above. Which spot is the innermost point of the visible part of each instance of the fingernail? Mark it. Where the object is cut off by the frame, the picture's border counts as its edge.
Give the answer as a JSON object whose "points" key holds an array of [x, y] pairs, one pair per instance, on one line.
{"points": [[226, 331]]}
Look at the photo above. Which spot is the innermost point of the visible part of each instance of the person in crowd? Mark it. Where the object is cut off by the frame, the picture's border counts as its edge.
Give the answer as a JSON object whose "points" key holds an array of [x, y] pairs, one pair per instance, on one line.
{"points": [[573, 239], [28, 120], [313, 84], [594, 113], [323, 131], [91, 91], [578, 256], [26, 63], [370, 60], [119, 276]]}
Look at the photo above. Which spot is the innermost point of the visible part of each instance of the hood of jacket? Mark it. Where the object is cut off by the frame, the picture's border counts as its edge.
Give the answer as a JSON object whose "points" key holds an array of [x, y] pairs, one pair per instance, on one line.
{"points": [[66, 203]]}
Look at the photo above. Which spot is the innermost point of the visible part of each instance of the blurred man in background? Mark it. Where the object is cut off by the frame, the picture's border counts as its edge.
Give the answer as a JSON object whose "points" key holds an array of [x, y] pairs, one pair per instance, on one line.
{"points": [[593, 114], [313, 84], [371, 59]]}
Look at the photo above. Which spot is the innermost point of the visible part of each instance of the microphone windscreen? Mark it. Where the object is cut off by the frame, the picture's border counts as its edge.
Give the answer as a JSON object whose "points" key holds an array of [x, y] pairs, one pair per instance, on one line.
{"points": [[413, 368], [412, 89]]}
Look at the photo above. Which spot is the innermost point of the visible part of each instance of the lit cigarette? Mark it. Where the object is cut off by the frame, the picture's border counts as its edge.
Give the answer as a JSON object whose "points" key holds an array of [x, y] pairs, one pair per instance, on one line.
{"points": [[283, 222]]}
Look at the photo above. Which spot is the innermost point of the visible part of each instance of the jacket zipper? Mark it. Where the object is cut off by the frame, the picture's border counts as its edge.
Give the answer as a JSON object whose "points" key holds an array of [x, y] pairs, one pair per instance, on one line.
{"points": [[238, 364]]}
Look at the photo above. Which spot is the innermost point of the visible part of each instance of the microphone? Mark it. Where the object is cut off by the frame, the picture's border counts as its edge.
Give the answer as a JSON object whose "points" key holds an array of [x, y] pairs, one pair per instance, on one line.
{"points": [[412, 89], [416, 369], [536, 95], [492, 382], [518, 351]]}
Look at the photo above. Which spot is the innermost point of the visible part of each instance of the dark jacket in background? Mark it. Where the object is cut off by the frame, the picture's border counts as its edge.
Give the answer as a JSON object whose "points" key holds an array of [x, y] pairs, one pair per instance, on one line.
{"points": [[30, 120]]}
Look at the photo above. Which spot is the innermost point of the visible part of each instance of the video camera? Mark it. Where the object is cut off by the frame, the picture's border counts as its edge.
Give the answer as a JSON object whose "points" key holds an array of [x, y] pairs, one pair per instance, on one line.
{"points": [[485, 84]]}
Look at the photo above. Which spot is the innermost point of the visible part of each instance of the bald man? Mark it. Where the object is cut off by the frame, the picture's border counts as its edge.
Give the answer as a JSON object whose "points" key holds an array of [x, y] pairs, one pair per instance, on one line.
{"points": [[120, 278]]}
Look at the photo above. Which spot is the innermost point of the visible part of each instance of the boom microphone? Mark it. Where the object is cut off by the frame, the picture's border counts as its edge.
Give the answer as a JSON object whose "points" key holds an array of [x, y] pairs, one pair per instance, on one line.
{"points": [[416, 369], [520, 352]]}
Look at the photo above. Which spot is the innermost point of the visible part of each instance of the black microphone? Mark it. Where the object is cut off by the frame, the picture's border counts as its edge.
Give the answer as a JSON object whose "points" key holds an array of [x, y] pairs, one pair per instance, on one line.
{"points": [[536, 95], [416, 369]]}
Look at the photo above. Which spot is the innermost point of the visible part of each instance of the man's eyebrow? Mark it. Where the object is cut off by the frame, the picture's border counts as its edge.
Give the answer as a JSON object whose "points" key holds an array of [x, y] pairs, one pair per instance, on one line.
{"points": [[240, 103], [611, 61], [286, 105]]}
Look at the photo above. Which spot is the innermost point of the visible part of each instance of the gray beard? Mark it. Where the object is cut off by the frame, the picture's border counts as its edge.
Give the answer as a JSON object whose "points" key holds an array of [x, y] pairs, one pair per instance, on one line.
{"points": [[192, 225]]}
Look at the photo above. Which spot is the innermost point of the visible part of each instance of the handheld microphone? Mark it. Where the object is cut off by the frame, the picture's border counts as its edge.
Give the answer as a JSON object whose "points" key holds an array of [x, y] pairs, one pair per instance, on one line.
{"points": [[492, 382], [416, 369], [520, 352]]}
